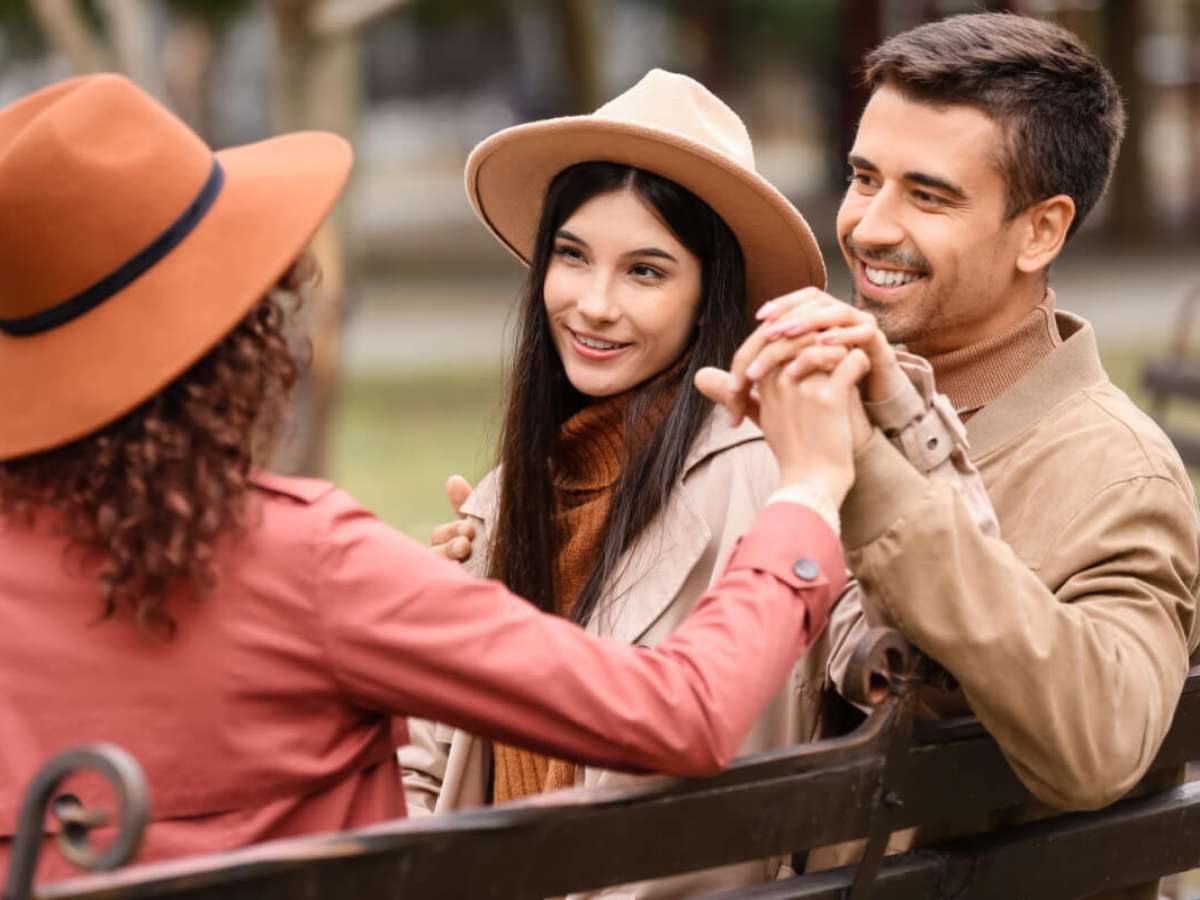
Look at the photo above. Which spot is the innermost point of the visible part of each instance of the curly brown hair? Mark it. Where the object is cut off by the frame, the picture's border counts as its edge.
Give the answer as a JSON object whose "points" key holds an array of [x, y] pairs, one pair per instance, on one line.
{"points": [[149, 496]]}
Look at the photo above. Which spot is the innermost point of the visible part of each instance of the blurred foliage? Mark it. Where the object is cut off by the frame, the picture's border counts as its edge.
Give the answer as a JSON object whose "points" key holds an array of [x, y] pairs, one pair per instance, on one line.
{"points": [[218, 13], [445, 13], [767, 30]]}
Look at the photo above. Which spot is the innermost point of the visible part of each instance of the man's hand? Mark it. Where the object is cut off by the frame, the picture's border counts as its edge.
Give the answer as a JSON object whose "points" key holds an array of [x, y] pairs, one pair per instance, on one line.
{"points": [[453, 539], [811, 318]]}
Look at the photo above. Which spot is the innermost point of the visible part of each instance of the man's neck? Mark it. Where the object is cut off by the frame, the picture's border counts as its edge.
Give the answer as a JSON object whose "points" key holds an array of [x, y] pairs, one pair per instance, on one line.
{"points": [[975, 375]]}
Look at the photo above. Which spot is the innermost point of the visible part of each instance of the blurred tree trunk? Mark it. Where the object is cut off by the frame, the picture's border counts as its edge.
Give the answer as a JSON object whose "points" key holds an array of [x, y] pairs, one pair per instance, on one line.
{"points": [[188, 57], [579, 24], [131, 33], [862, 30], [1129, 214], [713, 20], [68, 33], [1193, 113], [317, 84]]}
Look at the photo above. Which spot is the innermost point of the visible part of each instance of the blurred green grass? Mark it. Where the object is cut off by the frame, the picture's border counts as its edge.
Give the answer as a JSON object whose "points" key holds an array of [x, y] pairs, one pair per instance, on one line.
{"points": [[398, 437]]}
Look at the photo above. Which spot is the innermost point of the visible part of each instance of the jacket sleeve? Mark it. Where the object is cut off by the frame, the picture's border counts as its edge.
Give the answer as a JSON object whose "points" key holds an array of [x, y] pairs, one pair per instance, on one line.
{"points": [[1077, 683], [407, 632], [922, 425]]}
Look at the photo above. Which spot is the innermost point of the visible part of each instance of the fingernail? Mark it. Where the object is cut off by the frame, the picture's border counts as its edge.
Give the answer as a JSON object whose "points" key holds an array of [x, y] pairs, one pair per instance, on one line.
{"points": [[764, 311], [754, 371]]}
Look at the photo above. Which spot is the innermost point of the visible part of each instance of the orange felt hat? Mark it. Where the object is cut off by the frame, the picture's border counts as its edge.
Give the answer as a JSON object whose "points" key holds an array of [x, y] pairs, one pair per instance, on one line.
{"points": [[667, 124], [130, 248]]}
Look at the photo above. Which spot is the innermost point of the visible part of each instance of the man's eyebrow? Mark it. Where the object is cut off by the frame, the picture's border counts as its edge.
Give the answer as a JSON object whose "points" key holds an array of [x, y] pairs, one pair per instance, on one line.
{"points": [[939, 184], [860, 162]]}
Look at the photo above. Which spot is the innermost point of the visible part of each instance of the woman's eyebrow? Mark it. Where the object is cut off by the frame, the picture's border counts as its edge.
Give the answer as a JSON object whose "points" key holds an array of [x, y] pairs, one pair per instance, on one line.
{"points": [[651, 251], [570, 236]]}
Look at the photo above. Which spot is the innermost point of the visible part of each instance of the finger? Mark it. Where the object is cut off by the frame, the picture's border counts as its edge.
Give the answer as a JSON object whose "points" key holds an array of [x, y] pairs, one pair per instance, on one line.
{"points": [[444, 533], [852, 335], [776, 354], [836, 315], [458, 489], [460, 549], [851, 369], [774, 308], [715, 384], [815, 359]]}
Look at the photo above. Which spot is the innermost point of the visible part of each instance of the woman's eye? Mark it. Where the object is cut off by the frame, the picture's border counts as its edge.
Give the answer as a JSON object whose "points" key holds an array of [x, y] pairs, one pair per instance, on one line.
{"points": [[566, 251], [641, 270]]}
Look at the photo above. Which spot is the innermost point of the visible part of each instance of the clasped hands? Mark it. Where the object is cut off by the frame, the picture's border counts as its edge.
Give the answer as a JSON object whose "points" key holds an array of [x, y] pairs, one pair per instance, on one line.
{"points": [[797, 377]]}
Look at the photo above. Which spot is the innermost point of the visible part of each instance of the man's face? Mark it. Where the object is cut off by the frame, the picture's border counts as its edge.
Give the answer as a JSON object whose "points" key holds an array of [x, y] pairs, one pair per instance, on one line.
{"points": [[922, 225]]}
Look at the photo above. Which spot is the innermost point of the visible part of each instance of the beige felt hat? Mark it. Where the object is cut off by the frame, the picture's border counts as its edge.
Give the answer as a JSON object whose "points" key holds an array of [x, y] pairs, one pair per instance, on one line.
{"points": [[667, 124]]}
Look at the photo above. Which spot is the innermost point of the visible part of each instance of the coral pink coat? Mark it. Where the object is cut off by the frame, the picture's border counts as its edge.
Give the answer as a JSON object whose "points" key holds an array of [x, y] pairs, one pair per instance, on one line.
{"points": [[277, 708]]}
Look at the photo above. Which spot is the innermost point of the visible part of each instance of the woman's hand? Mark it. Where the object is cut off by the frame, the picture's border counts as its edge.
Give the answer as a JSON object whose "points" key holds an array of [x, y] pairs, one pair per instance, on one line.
{"points": [[810, 413], [453, 539]]}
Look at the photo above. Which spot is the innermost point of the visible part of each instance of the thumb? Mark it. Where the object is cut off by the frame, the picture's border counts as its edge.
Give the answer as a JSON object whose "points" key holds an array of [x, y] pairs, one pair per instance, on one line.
{"points": [[458, 489], [715, 384]]}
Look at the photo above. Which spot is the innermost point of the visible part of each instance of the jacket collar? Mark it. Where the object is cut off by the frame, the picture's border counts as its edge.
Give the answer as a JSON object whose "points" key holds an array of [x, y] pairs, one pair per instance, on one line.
{"points": [[652, 571], [1072, 367]]}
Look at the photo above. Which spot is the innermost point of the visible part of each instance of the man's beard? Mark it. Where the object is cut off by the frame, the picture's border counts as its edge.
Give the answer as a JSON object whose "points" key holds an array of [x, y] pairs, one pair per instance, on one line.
{"points": [[895, 325], [899, 326]]}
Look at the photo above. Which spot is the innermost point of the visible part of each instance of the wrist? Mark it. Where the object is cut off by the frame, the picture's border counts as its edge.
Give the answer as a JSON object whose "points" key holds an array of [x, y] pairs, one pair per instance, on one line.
{"points": [[814, 497]]}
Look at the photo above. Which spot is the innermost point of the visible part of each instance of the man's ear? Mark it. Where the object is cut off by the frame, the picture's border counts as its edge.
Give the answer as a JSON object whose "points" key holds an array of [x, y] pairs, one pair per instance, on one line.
{"points": [[1047, 224]]}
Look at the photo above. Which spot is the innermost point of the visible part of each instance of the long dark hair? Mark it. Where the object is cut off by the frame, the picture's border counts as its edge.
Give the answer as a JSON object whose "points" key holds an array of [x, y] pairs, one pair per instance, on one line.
{"points": [[525, 541]]}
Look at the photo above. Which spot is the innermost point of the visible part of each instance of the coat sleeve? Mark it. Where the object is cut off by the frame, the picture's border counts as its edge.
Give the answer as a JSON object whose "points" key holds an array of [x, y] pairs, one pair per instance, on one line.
{"points": [[407, 632], [923, 426], [1077, 684]]}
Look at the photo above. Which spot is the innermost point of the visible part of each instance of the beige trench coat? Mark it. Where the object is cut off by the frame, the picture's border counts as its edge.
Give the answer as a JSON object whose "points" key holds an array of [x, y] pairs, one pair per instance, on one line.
{"points": [[727, 477]]}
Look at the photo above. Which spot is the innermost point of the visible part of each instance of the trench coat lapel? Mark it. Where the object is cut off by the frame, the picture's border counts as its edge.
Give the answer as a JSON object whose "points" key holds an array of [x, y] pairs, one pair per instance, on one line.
{"points": [[652, 571]]}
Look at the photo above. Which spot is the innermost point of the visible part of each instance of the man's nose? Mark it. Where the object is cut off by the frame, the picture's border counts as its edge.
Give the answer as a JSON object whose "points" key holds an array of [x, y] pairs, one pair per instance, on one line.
{"points": [[880, 225]]}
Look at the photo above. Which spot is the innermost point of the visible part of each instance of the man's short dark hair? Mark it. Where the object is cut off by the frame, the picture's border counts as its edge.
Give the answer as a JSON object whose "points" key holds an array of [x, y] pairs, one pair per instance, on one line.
{"points": [[1059, 109]]}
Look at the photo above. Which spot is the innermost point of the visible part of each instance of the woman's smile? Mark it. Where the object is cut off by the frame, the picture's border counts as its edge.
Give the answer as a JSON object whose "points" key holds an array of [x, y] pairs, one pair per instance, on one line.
{"points": [[595, 348]]}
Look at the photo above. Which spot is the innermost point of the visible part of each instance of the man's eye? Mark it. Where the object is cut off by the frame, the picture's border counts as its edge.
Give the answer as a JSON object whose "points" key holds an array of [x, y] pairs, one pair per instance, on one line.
{"points": [[927, 198], [861, 179]]}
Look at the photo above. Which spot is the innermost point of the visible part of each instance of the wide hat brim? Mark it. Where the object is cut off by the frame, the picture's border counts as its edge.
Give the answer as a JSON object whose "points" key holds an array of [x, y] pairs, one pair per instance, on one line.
{"points": [[507, 176], [68, 382]]}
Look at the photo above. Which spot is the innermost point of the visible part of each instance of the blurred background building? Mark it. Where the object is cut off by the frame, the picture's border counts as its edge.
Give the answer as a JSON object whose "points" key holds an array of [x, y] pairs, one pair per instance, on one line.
{"points": [[408, 326]]}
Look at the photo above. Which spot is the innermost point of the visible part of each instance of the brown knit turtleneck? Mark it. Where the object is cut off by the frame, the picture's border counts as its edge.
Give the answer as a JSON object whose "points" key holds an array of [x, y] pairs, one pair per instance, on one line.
{"points": [[591, 453], [974, 376]]}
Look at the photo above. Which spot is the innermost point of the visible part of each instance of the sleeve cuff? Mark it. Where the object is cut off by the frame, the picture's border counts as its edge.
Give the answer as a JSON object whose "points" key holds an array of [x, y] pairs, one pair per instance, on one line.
{"points": [[885, 486], [795, 545]]}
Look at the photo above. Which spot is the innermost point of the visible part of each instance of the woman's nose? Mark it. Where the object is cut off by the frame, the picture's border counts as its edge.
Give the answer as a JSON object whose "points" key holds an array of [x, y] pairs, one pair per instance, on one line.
{"points": [[595, 300]]}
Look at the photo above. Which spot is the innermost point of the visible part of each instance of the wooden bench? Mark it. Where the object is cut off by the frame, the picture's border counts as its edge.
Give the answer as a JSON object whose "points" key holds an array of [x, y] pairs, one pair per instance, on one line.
{"points": [[1176, 377], [889, 773]]}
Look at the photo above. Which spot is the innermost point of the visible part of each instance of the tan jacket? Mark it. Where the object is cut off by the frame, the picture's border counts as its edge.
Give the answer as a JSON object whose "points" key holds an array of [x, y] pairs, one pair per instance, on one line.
{"points": [[728, 476], [1071, 634]]}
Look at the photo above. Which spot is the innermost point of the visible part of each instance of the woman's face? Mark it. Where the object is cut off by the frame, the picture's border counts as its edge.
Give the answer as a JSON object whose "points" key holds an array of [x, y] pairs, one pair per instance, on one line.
{"points": [[621, 294]]}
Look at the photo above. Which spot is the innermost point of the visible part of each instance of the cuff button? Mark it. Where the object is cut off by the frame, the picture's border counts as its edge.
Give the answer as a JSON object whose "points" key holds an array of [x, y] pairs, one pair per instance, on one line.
{"points": [[806, 569]]}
